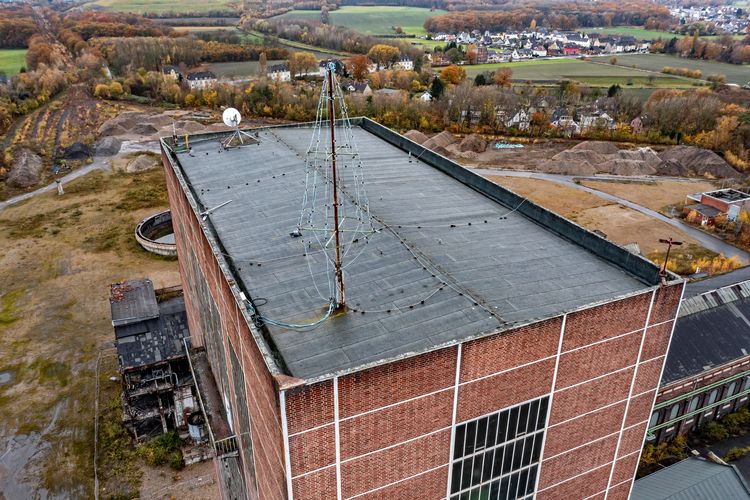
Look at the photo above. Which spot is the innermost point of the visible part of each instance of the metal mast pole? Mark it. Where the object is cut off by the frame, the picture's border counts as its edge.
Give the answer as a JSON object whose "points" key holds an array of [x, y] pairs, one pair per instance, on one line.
{"points": [[340, 298]]}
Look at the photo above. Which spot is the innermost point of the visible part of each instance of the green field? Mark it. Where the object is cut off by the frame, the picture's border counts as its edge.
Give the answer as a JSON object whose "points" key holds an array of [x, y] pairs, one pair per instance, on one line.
{"points": [[639, 33], [238, 69], [597, 75], [320, 52], [644, 34], [161, 6], [372, 20], [739, 74], [11, 60]]}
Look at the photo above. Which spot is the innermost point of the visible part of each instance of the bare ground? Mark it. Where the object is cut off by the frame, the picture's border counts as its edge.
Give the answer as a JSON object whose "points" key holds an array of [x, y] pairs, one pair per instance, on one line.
{"points": [[622, 225], [654, 195], [58, 257]]}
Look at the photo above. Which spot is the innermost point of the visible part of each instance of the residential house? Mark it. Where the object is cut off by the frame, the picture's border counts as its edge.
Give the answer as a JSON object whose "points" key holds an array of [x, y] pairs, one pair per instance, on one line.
{"points": [[170, 71], [201, 80], [354, 87], [482, 55], [404, 64], [279, 73], [571, 50]]}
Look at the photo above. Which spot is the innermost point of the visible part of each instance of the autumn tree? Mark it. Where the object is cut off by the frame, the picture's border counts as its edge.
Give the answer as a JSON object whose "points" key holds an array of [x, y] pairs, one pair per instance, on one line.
{"points": [[503, 77], [263, 63], [359, 66], [532, 25], [471, 54], [453, 74], [301, 63], [384, 55]]}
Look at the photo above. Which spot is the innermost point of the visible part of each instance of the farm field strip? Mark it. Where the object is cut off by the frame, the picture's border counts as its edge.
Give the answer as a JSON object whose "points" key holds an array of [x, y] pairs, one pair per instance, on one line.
{"points": [[12, 60], [372, 20], [162, 6], [735, 73]]}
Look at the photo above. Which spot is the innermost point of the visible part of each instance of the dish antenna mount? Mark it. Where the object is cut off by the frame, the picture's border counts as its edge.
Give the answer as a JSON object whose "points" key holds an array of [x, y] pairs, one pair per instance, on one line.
{"points": [[232, 118]]}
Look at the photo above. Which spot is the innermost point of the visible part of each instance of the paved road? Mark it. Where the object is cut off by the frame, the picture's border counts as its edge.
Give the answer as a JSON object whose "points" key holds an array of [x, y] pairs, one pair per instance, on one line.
{"points": [[706, 240]]}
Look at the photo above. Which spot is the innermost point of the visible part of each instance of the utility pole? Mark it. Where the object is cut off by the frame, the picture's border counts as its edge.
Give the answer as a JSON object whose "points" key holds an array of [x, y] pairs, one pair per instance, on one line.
{"points": [[663, 271], [340, 297]]}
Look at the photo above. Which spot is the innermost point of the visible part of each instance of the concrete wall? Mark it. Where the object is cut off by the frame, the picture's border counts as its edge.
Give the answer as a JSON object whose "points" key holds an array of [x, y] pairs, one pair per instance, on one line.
{"points": [[217, 322], [394, 422]]}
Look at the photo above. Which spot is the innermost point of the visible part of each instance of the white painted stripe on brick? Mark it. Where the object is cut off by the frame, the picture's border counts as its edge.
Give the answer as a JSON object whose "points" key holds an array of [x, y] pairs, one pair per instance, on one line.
{"points": [[396, 482], [285, 434], [611, 338], [630, 393], [541, 360], [551, 399], [337, 435], [453, 419], [661, 374], [571, 478], [314, 471], [602, 438]]}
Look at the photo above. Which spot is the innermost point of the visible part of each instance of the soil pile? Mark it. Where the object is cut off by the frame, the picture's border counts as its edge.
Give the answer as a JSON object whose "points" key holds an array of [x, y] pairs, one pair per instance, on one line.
{"points": [[692, 161], [77, 151], [416, 136], [107, 146], [141, 163], [441, 140], [473, 143], [26, 170], [574, 162], [130, 124], [601, 147]]}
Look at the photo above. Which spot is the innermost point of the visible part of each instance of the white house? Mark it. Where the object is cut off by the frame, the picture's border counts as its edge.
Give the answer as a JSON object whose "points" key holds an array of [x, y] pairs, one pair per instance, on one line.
{"points": [[279, 73], [404, 64], [201, 80]]}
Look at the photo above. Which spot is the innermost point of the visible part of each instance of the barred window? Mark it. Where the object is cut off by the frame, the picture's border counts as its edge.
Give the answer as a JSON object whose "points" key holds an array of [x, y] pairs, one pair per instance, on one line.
{"points": [[497, 456]]}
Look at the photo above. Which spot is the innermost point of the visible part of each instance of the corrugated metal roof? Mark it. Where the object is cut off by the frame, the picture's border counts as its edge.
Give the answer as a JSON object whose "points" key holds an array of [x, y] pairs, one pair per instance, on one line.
{"points": [[692, 479]]}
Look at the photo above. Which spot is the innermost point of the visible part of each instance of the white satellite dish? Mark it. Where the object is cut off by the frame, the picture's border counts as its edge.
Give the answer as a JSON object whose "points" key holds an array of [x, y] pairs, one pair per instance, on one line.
{"points": [[231, 117]]}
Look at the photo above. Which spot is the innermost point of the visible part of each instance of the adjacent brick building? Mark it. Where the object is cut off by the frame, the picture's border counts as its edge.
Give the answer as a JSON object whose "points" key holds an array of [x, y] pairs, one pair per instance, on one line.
{"points": [[490, 347]]}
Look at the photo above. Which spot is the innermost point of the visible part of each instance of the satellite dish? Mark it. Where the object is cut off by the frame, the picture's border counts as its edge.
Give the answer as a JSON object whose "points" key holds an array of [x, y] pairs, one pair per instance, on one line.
{"points": [[231, 117]]}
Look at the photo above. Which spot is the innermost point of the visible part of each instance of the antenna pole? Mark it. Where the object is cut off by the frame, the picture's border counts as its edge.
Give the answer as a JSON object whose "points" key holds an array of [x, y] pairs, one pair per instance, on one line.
{"points": [[340, 298]]}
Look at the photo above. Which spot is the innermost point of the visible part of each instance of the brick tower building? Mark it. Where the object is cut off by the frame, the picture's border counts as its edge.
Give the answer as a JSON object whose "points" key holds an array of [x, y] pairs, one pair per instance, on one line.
{"points": [[491, 349]]}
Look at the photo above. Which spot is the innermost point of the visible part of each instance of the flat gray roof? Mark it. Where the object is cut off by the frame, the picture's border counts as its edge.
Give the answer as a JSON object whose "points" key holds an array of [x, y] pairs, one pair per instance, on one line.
{"points": [[503, 272]]}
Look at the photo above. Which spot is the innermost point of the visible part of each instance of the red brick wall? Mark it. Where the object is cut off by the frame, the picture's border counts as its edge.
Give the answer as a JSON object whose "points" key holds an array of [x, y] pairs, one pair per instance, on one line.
{"points": [[262, 398], [395, 419]]}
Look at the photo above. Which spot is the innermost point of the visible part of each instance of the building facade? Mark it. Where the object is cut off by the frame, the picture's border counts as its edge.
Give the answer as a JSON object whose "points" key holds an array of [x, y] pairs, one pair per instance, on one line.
{"points": [[707, 374], [554, 405]]}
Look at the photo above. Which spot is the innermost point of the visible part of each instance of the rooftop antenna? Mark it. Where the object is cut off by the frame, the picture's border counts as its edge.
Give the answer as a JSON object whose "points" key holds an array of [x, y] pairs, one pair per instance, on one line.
{"points": [[232, 118], [335, 210], [663, 271]]}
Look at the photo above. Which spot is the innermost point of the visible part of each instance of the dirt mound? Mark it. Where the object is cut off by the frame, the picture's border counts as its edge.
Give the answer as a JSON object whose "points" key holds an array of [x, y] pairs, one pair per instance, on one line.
{"points": [[77, 151], [107, 146], [601, 147], [689, 160], [144, 129], [568, 167], [473, 143], [141, 163], [109, 129], [188, 127], [442, 140], [416, 136], [646, 155], [620, 166], [26, 169], [441, 151]]}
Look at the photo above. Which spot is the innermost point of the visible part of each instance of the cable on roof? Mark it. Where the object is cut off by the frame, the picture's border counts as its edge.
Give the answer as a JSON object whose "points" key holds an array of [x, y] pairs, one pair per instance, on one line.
{"points": [[259, 318]]}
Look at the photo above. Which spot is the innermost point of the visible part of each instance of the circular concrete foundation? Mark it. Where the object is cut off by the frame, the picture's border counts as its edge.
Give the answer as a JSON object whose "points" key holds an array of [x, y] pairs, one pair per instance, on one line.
{"points": [[155, 234]]}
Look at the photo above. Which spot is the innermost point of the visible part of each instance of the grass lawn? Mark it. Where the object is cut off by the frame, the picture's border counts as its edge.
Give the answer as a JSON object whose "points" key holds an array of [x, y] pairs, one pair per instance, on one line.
{"points": [[735, 73], [161, 6], [372, 20], [599, 75], [638, 32], [242, 68], [11, 60]]}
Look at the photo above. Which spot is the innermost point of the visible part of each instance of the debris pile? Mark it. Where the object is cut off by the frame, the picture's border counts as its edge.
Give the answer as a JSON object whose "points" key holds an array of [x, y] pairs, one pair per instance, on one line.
{"points": [[416, 136], [692, 161], [26, 170]]}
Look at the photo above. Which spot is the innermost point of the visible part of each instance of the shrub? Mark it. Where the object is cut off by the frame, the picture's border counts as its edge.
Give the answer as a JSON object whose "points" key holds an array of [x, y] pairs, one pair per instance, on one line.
{"points": [[163, 449], [713, 431], [736, 453]]}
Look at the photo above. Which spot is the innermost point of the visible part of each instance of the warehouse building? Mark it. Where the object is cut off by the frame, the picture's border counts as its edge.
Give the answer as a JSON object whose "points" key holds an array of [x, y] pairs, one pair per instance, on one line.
{"points": [[707, 372], [490, 347]]}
